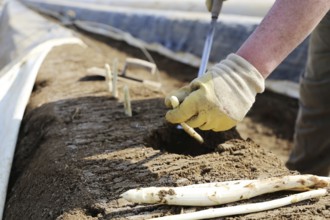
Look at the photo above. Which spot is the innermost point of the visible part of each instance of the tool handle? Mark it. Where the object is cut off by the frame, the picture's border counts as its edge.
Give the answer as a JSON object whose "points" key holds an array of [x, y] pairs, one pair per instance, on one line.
{"points": [[216, 8]]}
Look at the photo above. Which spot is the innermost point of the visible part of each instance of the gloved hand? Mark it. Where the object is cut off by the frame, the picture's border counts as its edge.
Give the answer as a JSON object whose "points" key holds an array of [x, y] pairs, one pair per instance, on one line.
{"points": [[220, 98]]}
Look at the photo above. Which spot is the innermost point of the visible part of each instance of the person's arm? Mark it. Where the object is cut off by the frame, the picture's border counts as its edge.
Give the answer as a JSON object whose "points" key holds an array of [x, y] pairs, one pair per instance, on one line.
{"points": [[220, 98], [285, 26]]}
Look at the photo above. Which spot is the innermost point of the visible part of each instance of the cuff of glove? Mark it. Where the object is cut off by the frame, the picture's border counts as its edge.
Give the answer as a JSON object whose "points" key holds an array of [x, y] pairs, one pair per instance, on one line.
{"points": [[249, 72], [240, 81]]}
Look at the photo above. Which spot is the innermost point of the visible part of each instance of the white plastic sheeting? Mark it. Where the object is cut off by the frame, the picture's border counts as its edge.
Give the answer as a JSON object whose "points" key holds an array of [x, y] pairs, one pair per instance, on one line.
{"points": [[179, 31], [25, 40], [177, 34], [256, 8]]}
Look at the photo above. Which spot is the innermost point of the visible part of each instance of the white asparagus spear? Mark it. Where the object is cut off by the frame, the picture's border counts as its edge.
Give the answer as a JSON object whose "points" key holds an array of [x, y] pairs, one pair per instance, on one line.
{"points": [[247, 208], [108, 77], [127, 102], [325, 178], [186, 196], [114, 78], [222, 184], [237, 183], [189, 130]]}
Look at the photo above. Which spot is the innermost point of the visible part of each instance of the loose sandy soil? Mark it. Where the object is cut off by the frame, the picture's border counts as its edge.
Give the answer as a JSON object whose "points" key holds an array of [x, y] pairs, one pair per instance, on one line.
{"points": [[78, 151]]}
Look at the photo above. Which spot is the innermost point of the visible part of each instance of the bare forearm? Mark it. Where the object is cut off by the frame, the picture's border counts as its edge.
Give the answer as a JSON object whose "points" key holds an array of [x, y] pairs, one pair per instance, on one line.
{"points": [[286, 25]]}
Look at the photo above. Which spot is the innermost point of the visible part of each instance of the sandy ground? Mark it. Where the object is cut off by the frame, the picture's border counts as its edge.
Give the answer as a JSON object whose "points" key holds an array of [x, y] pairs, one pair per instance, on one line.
{"points": [[78, 151]]}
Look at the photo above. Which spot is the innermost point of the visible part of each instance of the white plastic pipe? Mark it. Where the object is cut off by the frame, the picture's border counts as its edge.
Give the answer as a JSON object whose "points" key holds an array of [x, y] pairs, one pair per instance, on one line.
{"points": [[16, 83]]}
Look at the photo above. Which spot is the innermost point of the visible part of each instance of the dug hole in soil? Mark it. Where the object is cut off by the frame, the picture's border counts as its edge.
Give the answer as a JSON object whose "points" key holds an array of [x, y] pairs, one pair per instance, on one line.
{"points": [[77, 150]]}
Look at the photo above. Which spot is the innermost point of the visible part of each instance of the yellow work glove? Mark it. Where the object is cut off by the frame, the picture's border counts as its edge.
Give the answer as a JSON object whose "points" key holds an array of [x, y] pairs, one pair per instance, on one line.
{"points": [[220, 98]]}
